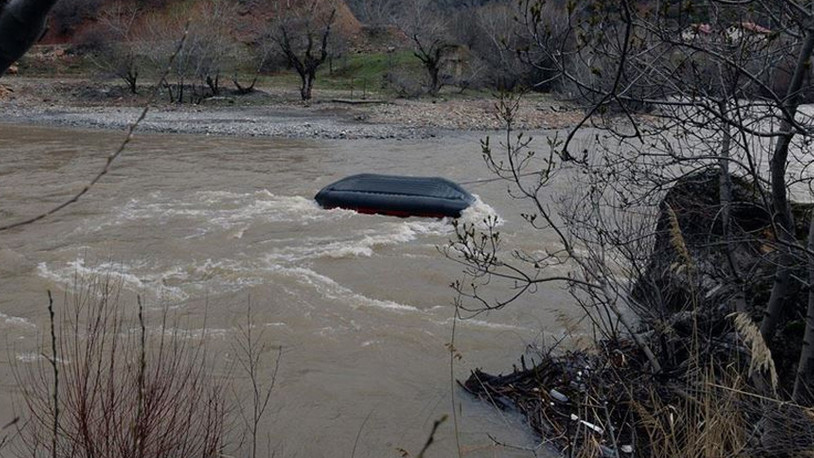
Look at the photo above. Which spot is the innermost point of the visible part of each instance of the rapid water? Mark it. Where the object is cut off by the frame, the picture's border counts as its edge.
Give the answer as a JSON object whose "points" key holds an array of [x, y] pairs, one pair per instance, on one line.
{"points": [[360, 304]]}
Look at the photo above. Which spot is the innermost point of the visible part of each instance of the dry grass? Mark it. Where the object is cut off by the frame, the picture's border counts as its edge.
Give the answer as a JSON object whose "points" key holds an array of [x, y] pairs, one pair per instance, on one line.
{"points": [[677, 238], [761, 357], [720, 398], [707, 420]]}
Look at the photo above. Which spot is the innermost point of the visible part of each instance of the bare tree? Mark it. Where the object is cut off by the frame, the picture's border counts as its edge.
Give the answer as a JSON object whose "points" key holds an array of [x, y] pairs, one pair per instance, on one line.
{"points": [[376, 13], [207, 53], [716, 104], [426, 26], [249, 348], [302, 34], [495, 40], [677, 101], [216, 48], [117, 52]]}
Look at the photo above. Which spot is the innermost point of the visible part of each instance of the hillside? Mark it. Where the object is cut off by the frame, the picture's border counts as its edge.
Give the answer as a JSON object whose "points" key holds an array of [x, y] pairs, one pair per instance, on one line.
{"points": [[72, 21]]}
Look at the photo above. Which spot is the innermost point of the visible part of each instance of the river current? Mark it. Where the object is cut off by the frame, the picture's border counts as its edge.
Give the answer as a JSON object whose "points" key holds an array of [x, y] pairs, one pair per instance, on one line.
{"points": [[360, 304]]}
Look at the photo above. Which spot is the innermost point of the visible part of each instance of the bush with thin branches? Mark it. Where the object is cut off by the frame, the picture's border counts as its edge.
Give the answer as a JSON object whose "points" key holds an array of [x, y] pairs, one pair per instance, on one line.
{"points": [[109, 386]]}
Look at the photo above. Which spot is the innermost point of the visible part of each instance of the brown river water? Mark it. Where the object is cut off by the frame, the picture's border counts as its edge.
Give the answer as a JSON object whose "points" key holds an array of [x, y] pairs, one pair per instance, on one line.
{"points": [[360, 304]]}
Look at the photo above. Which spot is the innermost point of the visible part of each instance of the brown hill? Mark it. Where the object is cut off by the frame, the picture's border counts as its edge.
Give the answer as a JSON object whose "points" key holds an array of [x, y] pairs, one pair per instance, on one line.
{"points": [[70, 22]]}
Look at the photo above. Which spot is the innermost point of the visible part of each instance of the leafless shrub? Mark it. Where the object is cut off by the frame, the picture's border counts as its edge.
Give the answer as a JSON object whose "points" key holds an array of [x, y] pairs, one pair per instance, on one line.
{"points": [[113, 45], [208, 54], [115, 388], [249, 348], [375, 12], [405, 85]]}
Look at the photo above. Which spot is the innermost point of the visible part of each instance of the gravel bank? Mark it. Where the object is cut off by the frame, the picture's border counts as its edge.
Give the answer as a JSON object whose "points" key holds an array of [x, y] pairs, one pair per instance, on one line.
{"points": [[270, 112], [248, 122]]}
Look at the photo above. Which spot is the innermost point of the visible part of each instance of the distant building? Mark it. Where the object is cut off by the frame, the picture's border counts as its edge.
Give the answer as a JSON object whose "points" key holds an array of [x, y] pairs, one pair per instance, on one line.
{"points": [[739, 31], [734, 33], [696, 31]]}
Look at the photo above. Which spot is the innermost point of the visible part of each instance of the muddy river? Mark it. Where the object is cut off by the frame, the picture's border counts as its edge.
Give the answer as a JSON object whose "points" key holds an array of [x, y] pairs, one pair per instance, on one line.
{"points": [[360, 304]]}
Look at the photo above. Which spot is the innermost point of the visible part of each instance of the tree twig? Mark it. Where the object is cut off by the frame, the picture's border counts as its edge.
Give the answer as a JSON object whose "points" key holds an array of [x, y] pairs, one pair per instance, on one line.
{"points": [[53, 359], [359, 433], [431, 438]]}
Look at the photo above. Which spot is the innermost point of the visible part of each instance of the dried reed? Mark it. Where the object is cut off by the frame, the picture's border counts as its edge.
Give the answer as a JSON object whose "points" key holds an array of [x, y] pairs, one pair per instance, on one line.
{"points": [[677, 237], [761, 357]]}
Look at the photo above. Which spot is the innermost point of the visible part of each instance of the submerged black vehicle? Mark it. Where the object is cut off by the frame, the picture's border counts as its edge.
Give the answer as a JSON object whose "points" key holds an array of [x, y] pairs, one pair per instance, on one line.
{"points": [[395, 195]]}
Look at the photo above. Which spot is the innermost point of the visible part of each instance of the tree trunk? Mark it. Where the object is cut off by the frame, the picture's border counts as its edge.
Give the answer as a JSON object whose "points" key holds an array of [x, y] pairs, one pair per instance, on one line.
{"points": [[244, 90], [214, 84], [307, 84], [804, 383], [132, 80], [433, 69], [169, 92], [781, 210]]}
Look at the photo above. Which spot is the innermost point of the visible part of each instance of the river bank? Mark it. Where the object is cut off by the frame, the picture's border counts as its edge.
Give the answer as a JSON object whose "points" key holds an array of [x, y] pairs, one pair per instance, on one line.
{"points": [[267, 112]]}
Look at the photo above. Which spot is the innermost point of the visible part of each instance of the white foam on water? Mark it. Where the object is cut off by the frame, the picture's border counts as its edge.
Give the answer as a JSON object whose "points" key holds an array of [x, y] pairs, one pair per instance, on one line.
{"points": [[238, 233], [225, 275], [29, 357], [364, 243], [482, 324], [330, 289], [360, 244], [76, 270], [232, 214], [195, 334], [16, 321], [480, 212], [168, 285], [198, 232], [270, 208], [33, 357], [227, 210]]}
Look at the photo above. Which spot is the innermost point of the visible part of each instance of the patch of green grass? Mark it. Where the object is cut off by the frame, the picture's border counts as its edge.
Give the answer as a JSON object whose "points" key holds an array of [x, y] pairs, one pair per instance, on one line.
{"points": [[366, 72], [357, 74], [371, 66], [43, 62]]}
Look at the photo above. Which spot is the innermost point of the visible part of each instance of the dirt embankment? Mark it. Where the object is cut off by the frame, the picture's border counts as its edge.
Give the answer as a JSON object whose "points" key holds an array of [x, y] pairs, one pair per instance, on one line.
{"points": [[269, 111]]}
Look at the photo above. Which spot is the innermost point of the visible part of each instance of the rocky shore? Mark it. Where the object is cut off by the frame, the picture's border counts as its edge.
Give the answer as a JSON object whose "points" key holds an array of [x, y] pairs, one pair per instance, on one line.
{"points": [[268, 112]]}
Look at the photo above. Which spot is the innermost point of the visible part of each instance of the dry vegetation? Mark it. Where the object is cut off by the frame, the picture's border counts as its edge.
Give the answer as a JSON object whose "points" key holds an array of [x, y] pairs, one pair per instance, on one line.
{"points": [[449, 45], [111, 384]]}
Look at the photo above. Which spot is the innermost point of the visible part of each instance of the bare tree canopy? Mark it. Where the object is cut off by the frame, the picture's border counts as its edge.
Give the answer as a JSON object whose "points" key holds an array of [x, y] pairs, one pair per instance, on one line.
{"points": [[683, 198], [302, 34]]}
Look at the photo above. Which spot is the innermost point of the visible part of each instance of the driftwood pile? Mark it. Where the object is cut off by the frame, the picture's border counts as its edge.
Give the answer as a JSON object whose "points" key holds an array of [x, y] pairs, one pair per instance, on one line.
{"points": [[574, 400], [606, 404]]}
